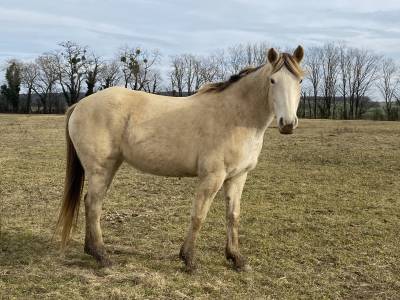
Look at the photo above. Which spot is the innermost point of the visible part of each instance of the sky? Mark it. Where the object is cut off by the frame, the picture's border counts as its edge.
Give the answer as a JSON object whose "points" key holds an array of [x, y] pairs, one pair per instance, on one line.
{"points": [[29, 28]]}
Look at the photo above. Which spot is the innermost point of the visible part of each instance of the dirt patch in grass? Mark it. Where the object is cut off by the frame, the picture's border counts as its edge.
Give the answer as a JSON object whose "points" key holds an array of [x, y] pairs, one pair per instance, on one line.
{"points": [[320, 219]]}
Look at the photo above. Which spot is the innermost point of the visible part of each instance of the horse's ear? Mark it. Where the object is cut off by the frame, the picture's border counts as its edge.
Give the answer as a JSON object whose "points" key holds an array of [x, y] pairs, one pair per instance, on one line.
{"points": [[272, 56], [298, 54]]}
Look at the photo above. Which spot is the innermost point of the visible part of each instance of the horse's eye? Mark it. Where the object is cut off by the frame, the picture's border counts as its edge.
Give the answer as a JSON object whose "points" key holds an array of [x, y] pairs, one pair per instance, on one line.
{"points": [[272, 81], [301, 80]]}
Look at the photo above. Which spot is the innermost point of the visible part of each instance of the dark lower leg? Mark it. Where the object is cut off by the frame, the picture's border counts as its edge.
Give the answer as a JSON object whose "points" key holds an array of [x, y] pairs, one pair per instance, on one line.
{"points": [[232, 244], [94, 244], [186, 253], [233, 191]]}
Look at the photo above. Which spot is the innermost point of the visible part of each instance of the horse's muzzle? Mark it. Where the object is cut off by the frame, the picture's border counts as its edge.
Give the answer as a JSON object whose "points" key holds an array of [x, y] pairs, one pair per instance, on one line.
{"points": [[287, 128]]}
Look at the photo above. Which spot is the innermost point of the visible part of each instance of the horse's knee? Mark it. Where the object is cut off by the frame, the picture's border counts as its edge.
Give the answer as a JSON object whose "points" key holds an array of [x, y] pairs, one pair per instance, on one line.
{"points": [[196, 222], [233, 218]]}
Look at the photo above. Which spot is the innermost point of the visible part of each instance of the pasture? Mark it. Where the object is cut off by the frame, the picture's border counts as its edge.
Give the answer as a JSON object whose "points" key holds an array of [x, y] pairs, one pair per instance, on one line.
{"points": [[320, 219]]}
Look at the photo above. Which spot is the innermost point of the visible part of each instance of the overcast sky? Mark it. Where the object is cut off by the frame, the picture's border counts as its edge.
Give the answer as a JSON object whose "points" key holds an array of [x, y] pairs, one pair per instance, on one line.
{"points": [[29, 28]]}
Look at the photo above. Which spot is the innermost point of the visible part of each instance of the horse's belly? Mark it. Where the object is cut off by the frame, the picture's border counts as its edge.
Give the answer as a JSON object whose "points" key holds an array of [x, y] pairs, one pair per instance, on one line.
{"points": [[162, 159]]}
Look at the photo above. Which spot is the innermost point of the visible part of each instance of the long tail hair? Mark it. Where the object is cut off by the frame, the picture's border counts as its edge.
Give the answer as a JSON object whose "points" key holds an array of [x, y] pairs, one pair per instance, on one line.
{"points": [[73, 186]]}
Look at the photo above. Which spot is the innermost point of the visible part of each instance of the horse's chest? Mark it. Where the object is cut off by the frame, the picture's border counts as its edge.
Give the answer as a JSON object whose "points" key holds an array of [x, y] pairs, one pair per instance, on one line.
{"points": [[243, 158]]}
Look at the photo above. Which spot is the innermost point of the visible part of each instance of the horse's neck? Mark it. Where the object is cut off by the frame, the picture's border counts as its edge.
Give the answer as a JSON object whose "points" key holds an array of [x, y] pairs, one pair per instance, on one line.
{"points": [[250, 94]]}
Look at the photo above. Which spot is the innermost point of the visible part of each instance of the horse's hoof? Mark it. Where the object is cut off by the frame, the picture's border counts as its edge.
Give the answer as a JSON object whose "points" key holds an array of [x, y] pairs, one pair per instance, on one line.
{"points": [[190, 268], [182, 255], [105, 262], [187, 258], [239, 262], [100, 254]]}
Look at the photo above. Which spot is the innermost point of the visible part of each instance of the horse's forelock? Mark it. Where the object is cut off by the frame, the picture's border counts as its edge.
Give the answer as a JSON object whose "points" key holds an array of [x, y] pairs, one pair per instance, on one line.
{"points": [[287, 60]]}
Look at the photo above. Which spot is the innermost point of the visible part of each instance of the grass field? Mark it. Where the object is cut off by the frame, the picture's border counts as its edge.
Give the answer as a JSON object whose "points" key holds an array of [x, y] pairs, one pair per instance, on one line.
{"points": [[320, 219]]}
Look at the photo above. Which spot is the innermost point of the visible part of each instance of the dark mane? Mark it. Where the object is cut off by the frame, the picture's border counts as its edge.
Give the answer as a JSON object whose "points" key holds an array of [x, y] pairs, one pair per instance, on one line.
{"points": [[220, 86], [285, 59]]}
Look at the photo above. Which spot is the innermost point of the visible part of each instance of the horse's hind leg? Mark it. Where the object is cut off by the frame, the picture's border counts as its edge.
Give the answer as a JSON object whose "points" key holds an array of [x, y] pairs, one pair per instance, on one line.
{"points": [[99, 179], [233, 188]]}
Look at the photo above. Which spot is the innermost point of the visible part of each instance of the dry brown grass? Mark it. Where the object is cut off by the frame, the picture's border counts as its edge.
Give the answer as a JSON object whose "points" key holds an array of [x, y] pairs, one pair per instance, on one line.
{"points": [[320, 219]]}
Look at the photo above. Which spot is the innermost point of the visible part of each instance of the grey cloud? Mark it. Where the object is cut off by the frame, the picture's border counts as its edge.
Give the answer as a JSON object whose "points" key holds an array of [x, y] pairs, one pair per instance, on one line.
{"points": [[29, 28]]}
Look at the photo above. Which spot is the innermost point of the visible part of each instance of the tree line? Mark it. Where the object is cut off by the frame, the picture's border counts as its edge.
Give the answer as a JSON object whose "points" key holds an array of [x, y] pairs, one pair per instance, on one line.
{"points": [[339, 81]]}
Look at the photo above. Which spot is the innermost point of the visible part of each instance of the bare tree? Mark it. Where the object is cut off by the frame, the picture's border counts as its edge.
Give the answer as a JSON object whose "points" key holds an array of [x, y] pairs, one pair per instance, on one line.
{"points": [[388, 84], [191, 71], [136, 65], [71, 61], [217, 66], [147, 61], [364, 74], [313, 66], [243, 55], [329, 65], [92, 69], [236, 58], [128, 58], [48, 75], [152, 85], [345, 72], [29, 75], [212, 68], [305, 102], [397, 96], [109, 74], [177, 74], [256, 53]]}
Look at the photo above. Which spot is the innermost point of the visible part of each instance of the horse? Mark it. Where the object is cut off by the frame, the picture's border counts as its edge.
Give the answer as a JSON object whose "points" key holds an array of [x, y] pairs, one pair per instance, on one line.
{"points": [[215, 134]]}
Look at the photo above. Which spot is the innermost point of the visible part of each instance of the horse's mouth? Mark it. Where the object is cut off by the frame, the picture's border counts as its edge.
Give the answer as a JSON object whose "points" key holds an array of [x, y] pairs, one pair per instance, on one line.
{"points": [[287, 129]]}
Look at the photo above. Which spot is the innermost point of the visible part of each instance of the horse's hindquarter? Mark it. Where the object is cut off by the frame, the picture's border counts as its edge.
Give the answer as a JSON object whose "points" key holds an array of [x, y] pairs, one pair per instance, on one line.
{"points": [[96, 126]]}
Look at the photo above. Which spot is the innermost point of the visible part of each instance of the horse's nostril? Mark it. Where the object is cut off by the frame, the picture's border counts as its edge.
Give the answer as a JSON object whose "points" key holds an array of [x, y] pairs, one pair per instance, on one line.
{"points": [[280, 122]]}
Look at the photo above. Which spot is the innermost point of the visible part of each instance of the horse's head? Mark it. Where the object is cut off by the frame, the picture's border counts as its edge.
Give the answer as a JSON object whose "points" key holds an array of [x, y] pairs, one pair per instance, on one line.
{"points": [[284, 87]]}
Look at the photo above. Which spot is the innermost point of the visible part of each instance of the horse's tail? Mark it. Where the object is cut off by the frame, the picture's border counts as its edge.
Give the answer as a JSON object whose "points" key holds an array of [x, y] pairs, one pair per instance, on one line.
{"points": [[73, 186]]}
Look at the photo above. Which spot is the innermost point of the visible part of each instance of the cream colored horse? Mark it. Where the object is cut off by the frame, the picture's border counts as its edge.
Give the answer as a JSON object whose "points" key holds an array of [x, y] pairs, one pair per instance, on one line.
{"points": [[215, 134]]}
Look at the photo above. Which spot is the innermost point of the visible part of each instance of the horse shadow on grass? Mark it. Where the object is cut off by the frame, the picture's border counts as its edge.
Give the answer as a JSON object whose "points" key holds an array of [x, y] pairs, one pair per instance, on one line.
{"points": [[19, 248], [24, 247]]}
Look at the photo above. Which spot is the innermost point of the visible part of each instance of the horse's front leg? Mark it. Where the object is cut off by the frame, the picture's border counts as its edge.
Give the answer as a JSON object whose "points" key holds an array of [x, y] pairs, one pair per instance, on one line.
{"points": [[206, 191], [233, 188]]}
